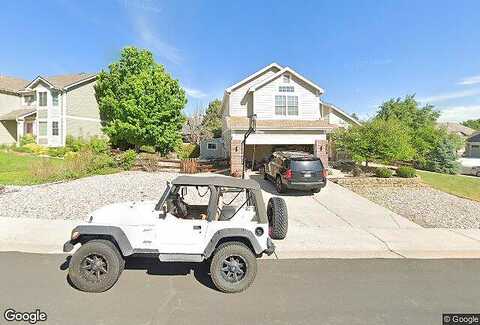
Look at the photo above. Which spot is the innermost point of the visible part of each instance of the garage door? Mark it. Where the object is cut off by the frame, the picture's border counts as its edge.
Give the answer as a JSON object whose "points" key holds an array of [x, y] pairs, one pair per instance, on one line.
{"points": [[475, 151]]}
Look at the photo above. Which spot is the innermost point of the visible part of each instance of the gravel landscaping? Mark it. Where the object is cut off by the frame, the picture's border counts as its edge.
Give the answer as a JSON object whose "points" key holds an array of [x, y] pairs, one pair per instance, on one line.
{"points": [[75, 199], [426, 206]]}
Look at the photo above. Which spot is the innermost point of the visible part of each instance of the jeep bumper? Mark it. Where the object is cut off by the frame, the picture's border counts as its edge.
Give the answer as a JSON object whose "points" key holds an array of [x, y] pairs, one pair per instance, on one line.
{"points": [[68, 246], [270, 247]]}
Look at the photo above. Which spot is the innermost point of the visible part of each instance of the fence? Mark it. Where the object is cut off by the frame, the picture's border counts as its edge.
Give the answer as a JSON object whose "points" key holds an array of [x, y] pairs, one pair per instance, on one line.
{"points": [[189, 166]]}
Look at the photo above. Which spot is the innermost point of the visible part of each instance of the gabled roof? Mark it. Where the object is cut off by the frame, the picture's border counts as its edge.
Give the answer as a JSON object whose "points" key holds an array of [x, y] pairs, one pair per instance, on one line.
{"points": [[453, 127], [474, 138], [253, 76], [63, 81], [280, 73], [12, 84], [342, 112], [13, 115]]}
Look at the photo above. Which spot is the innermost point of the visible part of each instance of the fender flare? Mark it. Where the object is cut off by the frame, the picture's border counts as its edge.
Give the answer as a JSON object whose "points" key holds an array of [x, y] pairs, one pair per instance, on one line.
{"points": [[115, 232], [233, 232]]}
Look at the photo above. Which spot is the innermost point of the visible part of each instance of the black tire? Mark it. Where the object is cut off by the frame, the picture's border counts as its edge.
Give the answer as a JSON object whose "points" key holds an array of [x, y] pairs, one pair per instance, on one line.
{"points": [[317, 190], [95, 266], [280, 187], [231, 280], [478, 174], [277, 218], [117, 251]]}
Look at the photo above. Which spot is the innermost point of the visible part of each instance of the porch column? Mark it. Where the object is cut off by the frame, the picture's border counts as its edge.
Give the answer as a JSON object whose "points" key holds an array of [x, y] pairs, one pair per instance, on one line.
{"points": [[236, 158], [320, 150], [20, 128]]}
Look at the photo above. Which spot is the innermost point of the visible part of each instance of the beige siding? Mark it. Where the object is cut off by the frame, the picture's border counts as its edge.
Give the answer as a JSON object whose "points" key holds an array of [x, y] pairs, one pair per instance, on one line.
{"points": [[8, 132], [308, 101], [337, 119], [81, 101], [8, 129], [238, 104], [83, 128]]}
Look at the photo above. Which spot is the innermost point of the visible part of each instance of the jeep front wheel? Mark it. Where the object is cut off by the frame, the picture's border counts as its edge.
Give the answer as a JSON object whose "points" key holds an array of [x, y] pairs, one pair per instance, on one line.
{"points": [[233, 267], [95, 266]]}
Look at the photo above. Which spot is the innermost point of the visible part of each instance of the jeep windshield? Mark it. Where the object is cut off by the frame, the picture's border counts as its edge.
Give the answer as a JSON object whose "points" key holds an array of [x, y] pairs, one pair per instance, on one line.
{"points": [[164, 196]]}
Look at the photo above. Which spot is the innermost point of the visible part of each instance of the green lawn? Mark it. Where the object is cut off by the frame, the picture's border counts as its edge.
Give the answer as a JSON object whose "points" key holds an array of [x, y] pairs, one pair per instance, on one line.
{"points": [[464, 186], [14, 168]]}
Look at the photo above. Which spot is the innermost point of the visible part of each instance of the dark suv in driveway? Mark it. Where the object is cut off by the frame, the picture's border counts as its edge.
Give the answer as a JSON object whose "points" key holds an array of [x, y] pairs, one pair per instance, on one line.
{"points": [[295, 170]]}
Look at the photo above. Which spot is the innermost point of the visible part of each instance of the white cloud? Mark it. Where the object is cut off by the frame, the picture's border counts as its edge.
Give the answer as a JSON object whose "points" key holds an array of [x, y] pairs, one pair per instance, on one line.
{"points": [[195, 93], [459, 113], [152, 41], [473, 80], [448, 96]]}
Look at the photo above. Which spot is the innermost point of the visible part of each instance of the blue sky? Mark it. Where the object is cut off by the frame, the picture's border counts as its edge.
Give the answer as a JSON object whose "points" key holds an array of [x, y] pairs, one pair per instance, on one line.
{"points": [[360, 52]]}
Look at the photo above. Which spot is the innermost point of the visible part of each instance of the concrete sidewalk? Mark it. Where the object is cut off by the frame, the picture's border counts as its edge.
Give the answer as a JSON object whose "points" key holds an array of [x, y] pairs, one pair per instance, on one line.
{"points": [[48, 236]]}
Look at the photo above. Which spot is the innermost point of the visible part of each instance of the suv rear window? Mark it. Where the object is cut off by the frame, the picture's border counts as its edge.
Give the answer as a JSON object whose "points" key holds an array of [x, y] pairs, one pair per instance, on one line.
{"points": [[308, 164]]}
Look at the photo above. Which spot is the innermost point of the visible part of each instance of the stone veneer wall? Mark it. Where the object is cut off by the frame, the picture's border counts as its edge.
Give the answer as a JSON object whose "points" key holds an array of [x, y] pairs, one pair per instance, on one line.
{"points": [[236, 158], [320, 150]]}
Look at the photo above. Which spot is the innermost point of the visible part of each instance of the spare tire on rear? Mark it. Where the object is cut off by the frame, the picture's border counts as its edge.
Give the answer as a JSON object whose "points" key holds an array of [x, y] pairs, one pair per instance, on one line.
{"points": [[277, 218]]}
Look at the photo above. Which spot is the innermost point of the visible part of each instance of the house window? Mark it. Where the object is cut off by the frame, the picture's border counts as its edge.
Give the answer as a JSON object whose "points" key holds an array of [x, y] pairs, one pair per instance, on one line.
{"points": [[286, 78], [28, 99], [211, 146], [55, 99], [55, 128], [292, 105], [42, 129], [280, 105], [285, 89], [42, 98]]}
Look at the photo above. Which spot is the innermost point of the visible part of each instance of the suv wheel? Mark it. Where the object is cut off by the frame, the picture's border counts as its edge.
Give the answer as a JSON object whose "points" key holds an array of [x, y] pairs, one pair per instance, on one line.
{"points": [[478, 173], [277, 218], [233, 267], [95, 266], [279, 185]]}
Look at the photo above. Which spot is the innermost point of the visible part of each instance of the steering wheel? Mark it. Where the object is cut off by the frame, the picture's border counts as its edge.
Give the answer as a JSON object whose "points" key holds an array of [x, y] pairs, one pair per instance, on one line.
{"points": [[181, 206]]}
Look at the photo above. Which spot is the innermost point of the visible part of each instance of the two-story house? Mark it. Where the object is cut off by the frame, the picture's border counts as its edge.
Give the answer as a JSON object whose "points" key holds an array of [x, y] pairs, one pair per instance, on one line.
{"points": [[50, 108], [289, 115]]}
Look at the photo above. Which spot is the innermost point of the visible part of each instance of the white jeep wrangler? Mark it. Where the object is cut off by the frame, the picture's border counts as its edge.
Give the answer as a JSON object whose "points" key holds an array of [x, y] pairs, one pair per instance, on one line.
{"points": [[229, 229]]}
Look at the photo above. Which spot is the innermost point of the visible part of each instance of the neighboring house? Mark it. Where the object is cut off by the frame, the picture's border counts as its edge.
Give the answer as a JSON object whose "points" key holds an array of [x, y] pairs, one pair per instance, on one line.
{"points": [[212, 149], [50, 108], [472, 146], [461, 130], [289, 115]]}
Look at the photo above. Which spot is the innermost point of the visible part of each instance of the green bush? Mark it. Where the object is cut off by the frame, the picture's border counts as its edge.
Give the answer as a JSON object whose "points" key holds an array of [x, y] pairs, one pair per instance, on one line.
{"points": [[99, 145], [148, 149], [57, 152], [126, 159], [188, 150], [74, 144], [406, 172], [33, 148], [383, 172], [27, 139]]}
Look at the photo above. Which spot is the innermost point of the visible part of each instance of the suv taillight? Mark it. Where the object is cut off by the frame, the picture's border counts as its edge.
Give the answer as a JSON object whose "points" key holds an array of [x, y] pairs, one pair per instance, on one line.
{"points": [[288, 174], [324, 172]]}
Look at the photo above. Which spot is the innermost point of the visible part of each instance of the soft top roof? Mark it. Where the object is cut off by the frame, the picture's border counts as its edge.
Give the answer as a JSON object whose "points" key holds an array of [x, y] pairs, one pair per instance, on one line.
{"points": [[225, 181]]}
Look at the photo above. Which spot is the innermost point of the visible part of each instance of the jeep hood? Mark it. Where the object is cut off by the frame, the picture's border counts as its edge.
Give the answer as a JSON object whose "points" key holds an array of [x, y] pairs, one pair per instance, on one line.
{"points": [[133, 212]]}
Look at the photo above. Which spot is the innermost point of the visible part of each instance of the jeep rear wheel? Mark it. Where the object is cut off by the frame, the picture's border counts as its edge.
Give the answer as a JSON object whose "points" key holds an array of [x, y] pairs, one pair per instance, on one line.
{"points": [[95, 266], [233, 267], [277, 218], [279, 185]]}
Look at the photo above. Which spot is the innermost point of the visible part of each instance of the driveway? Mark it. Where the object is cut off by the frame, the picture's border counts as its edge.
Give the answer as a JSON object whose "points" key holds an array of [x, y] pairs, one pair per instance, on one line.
{"points": [[334, 207]]}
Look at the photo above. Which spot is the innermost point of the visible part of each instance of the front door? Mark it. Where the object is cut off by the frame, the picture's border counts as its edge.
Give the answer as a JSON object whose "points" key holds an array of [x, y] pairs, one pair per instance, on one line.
{"points": [[180, 236], [29, 127]]}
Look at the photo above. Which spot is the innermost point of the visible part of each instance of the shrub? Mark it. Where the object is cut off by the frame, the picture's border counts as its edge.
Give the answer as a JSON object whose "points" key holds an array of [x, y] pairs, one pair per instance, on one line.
{"points": [[126, 159], [383, 172], [148, 149], [406, 172], [74, 144], [57, 152], [188, 150], [99, 145], [356, 171], [33, 148], [27, 139]]}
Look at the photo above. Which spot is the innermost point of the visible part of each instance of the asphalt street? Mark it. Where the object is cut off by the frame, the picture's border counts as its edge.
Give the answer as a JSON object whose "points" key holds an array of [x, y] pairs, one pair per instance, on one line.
{"points": [[314, 291]]}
